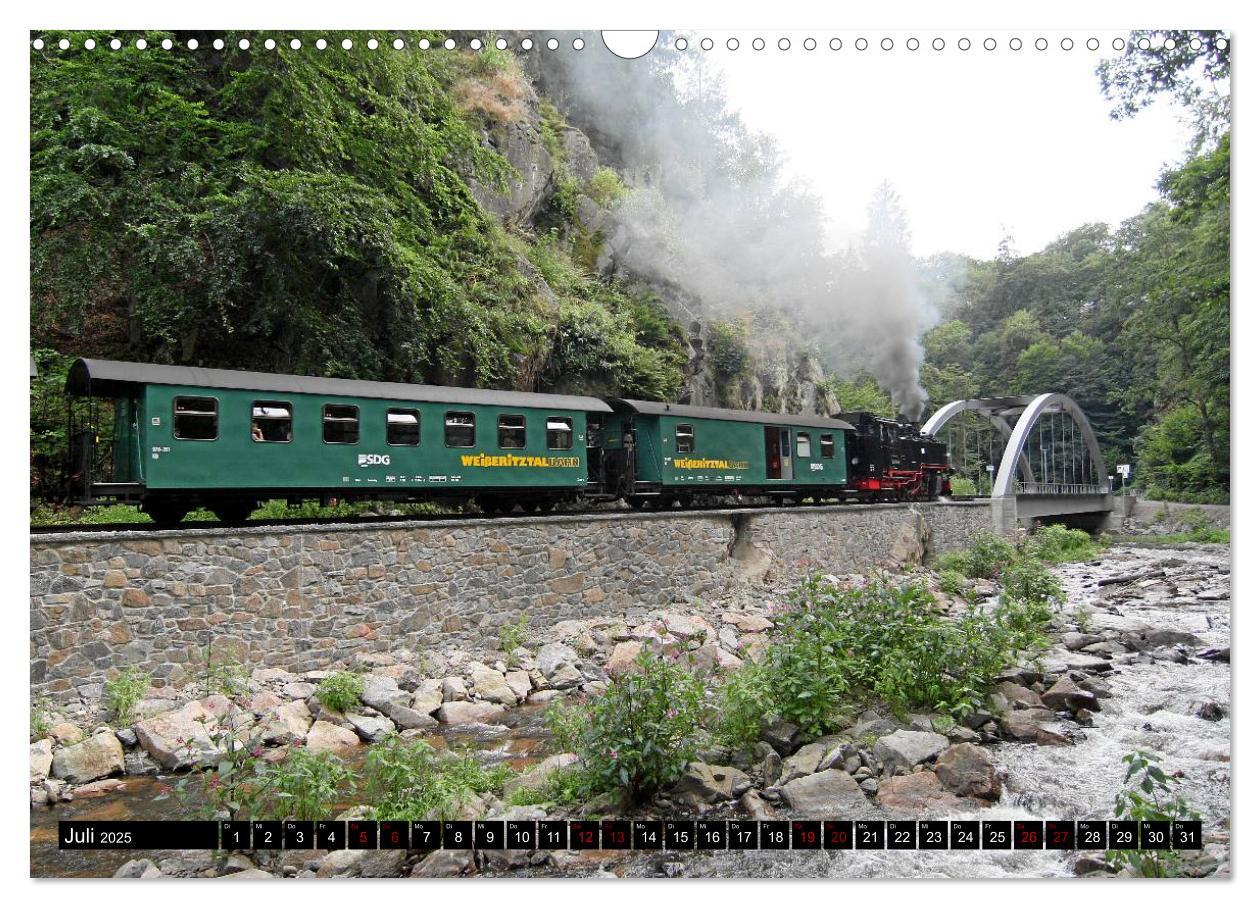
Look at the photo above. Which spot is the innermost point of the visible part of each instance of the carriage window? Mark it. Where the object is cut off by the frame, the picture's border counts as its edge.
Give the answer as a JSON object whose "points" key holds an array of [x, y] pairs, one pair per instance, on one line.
{"points": [[827, 444], [461, 430], [402, 427], [559, 433], [272, 421], [802, 445], [196, 418], [341, 424], [511, 431], [685, 438]]}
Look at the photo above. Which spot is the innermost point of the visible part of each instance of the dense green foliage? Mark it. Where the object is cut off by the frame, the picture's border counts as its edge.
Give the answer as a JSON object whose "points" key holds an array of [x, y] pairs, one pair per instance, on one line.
{"points": [[403, 780], [123, 692], [312, 213], [1149, 795], [340, 691]]}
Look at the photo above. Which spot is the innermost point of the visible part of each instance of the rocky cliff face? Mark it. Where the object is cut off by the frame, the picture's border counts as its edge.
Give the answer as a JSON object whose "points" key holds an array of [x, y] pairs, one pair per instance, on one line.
{"points": [[553, 190]]}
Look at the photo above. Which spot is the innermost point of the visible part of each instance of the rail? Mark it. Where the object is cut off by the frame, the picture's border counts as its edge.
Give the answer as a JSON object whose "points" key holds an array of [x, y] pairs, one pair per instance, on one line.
{"points": [[1061, 488]]}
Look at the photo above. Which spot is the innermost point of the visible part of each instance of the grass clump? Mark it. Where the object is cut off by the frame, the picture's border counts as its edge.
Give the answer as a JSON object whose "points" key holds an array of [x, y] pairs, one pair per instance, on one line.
{"points": [[741, 704], [124, 691], [340, 692], [306, 785], [403, 780], [985, 559], [606, 188], [1056, 543], [41, 718], [513, 636]]}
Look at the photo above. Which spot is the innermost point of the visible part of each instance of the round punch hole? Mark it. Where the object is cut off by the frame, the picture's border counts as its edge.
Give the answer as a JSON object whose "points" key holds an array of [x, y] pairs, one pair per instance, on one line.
{"points": [[938, 44], [552, 44], [1092, 44], [1016, 44], [706, 44], [1117, 44], [270, 44], [500, 43], [346, 44], [680, 44], [990, 44], [90, 44], [1222, 44], [243, 44], [1144, 44], [784, 44], [527, 44], [1170, 44], [835, 44], [886, 43], [578, 44], [964, 44], [38, 44], [192, 44], [425, 44], [759, 44], [64, 44], [809, 44], [141, 44], [321, 44], [115, 44], [373, 44], [1041, 44], [449, 44], [167, 44], [732, 44], [912, 43], [861, 44], [1066, 44], [399, 44], [1196, 45], [219, 44]]}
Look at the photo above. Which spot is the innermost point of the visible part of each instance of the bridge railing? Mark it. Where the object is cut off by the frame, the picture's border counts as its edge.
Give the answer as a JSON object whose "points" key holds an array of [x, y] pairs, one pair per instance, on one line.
{"points": [[1062, 488]]}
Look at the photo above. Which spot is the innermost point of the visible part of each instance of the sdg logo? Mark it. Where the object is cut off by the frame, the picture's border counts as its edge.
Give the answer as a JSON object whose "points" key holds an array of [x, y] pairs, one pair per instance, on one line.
{"points": [[373, 460]]}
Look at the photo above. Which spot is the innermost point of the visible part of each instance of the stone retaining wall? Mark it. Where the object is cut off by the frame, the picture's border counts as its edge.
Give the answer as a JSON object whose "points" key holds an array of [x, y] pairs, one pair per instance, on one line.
{"points": [[308, 597]]}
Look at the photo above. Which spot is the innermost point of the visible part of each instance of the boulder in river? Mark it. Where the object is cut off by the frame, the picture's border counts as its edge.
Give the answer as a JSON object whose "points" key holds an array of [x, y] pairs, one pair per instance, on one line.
{"points": [[907, 749], [182, 738], [917, 793], [92, 758], [830, 793], [966, 770], [466, 712], [1065, 694], [41, 759], [326, 737], [703, 784]]}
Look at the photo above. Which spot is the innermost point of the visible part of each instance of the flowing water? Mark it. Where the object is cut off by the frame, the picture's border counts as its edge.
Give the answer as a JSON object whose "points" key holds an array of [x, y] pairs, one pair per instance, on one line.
{"points": [[1152, 709]]}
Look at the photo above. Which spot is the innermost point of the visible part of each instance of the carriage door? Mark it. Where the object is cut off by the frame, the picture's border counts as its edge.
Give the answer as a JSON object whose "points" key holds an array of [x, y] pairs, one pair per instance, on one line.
{"points": [[785, 452], [774, 469]]}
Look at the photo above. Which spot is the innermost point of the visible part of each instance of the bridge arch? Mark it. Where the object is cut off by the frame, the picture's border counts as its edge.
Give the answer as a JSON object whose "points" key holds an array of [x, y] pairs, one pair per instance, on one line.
{"points": [[1025, 411]]}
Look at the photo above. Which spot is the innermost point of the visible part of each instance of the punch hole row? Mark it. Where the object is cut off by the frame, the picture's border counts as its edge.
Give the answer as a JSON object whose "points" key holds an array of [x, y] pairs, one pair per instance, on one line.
{"points": [[680, 44]]}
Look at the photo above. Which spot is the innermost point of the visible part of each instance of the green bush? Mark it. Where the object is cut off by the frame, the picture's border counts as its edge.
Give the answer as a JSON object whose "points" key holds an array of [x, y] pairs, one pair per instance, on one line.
{"points": [[1056, 543], [642, 730], [307, 785], [961, 486], [741, 704], [403, 780], [341, 691], [952, 581], [1029, 580], [513, 636], [606, 187], [986, 557], [1148, 795], [124, 691]]}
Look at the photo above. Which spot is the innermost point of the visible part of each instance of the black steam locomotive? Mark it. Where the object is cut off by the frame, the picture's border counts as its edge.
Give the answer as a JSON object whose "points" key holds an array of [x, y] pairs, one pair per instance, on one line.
{"points": [[894, 461]]}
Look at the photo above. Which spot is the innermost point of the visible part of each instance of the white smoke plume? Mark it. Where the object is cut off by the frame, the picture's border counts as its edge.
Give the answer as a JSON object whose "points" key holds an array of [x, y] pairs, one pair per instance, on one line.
{"points": [[712, 216]]}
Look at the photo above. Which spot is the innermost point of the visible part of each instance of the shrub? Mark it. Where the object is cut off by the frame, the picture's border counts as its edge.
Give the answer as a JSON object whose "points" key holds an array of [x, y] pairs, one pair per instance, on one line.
{"points": [[986, 557], [403, 780], [513, 636], [1029, 580], [960, 485], [1148, 795], [124, 691], [224, 676], [808, 660], [740, 706], [952, 581], [643, 729], [1056, 543], [341, 691], [307, 784], [41, 718], [606, 187]]}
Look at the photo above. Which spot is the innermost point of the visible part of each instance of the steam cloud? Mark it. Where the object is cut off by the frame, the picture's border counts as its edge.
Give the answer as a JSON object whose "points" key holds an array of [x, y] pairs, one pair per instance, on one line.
{"points": [[711, 217]]}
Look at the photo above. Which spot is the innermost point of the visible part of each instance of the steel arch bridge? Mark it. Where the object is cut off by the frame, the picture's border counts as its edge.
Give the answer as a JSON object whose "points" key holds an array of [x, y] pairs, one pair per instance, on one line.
{"points": [[1051, 466]]}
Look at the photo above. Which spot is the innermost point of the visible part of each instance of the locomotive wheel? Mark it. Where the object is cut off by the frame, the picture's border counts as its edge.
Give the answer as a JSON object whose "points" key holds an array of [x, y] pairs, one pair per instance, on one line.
{"points": [[166, 513], [490, 506], [546, 506], [636, 503], [235, 511]]}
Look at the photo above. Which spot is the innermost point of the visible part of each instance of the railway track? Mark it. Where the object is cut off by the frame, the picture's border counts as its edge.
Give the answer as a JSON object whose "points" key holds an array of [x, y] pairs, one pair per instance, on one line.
{"points": [[367, 520]]}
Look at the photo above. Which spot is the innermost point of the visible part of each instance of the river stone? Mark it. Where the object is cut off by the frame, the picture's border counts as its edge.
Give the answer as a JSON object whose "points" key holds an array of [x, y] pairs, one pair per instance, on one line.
{"points": [[1074, 641], [286, 723], [537, 775], [966, 770], [269, 675], [686, 626], [380, 692], [830, 793], [909, 748], [427, 697], [489, 685], [407, 718], [66, 733], [443, 863], [324, 737], [1153, 638], [1018, 696], [94, 758], [555, 656], [263, 701], [138, 869], [298, 690], [782, 735], [520, 684], [371, 864], [180, 738], [453, 688], [703, 784], [371, 728], [918, 793], [1064, 694], [623, 657], [1060, 662], [464, 712], [804, 762], [713, 657], [1208, 709], [1021, 728], [756, 807], [41, 759]]}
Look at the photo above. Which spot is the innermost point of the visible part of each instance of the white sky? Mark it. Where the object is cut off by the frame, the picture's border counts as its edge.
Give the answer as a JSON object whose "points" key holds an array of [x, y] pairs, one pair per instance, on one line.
{"points": [[972, 141]]}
